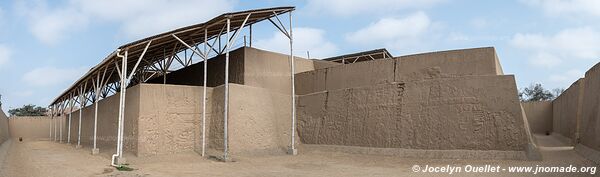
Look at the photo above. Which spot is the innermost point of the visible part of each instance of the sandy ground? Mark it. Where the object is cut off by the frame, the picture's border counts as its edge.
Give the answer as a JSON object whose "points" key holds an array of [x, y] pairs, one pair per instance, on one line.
{"points": [[44, 158]]}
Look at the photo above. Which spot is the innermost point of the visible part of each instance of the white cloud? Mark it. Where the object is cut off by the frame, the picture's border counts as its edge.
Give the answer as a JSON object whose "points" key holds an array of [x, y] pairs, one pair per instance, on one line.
{"points": [[140, 18], [567, 7], [305, 39], [392, 28], [567, 78], [51, 25], [362, 7], [48, 76], [394, 33], [5, 54], [137, 18], [568, 44], [545, 60]]}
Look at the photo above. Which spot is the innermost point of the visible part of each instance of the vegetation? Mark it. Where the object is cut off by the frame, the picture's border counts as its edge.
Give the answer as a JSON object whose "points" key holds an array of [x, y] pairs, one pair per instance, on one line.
{"points": [[28, 110], [535, 92], [124, 168]]}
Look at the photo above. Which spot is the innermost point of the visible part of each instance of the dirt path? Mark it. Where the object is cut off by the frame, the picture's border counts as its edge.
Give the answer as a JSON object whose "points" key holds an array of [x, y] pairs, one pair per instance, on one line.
{"points": [[52, 159], [43, 158]]}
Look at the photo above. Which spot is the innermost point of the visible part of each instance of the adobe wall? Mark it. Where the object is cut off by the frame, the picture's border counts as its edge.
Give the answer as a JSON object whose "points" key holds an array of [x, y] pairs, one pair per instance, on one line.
{"points": [[108, 111], [248, 66], [565, 112], [463, 62], [539, 116], [4, 133], [270, 70], [590, 119], [259, 121], [30, 128], [453, 63], [468, 113], [171, 118], [345, 76], [60, 122]]}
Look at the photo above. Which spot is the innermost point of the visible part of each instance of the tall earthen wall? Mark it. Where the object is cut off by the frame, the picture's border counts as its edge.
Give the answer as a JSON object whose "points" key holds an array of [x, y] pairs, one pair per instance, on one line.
{"points": [[30, 128], [4, 133], [539, 116], [259, 121], [565, 110], [438, 114], [108, 111], [170, 118], [590, 117], [449, 100]]}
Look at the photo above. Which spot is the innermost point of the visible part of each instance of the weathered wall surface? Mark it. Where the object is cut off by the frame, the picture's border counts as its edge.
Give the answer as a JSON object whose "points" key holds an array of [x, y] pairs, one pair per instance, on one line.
{"points": [[108, 111], [247, 66], [271, 70], [259, 120], [590, 120], [473, 113], [565, 111], [539, 116], [4, 133], [467, 62], [30, 128], [170, 118], [345, 76], [472, 62], [321, 64], [360, 74]]}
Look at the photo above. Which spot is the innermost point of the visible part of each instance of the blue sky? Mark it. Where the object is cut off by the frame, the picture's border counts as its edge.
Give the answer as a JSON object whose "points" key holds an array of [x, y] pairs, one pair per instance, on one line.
{"points": [[46, 45]]}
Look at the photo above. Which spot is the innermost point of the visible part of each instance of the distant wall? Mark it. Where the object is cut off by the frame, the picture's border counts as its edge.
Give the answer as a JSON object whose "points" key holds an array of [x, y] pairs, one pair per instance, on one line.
{"points": [[4, 133], [471, 112], [590, 119], [539, 116], [30, 128], [565, 111]]}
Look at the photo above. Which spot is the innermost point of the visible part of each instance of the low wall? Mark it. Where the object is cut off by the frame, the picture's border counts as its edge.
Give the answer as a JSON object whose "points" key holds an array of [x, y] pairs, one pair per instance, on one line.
{"points": [[539, 116], [4, 133], [466, 113], [30, 128], [566, 110]]}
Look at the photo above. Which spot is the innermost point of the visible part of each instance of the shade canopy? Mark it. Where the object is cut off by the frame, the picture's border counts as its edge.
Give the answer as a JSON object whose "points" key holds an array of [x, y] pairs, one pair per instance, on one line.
{"points": [[163, 45]]}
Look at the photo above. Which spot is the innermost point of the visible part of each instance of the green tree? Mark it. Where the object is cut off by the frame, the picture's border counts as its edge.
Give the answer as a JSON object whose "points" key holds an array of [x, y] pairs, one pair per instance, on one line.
{"points": [[28, 110], [535, 92]]}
